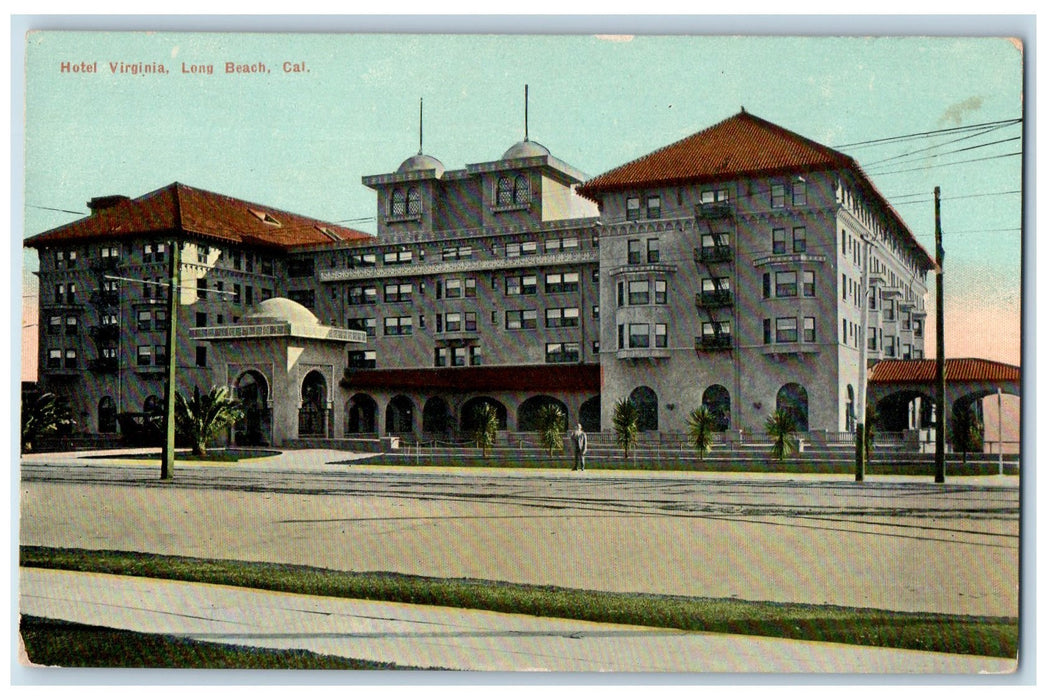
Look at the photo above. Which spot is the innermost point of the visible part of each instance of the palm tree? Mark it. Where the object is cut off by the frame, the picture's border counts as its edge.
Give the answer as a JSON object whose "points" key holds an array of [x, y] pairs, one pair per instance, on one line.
{"points": [[626, 420], [700, 423], [781, 425], [44, 414], [486, 427], [200, 418], [551, 426]]}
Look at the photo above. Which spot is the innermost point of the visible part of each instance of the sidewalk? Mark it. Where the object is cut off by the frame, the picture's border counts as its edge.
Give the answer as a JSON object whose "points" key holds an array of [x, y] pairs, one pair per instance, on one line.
{"points": [[446, 638]]}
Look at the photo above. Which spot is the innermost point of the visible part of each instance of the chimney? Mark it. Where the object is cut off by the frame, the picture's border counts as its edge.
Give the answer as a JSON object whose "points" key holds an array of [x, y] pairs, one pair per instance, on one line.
{"points": [[97, 204]]}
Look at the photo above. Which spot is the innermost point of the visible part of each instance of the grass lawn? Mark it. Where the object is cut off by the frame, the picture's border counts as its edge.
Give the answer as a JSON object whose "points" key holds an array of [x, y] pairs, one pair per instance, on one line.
{"points": [[985, 636], [68, 644], [216, 455]]}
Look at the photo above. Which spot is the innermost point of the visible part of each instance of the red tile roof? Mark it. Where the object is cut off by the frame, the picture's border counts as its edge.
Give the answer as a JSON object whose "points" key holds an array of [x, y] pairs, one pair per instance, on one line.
{"points": [[967, 369], [740, 145], [180, 208], [531, 378]]}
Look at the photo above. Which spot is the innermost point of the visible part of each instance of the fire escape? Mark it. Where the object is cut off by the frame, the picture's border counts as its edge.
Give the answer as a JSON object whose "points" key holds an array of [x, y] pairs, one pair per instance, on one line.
{"points": [[715, 261]]}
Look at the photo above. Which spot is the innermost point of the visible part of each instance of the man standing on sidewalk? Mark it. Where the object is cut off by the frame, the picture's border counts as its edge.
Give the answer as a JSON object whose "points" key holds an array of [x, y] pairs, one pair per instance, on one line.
{"points": [[581, 446]]}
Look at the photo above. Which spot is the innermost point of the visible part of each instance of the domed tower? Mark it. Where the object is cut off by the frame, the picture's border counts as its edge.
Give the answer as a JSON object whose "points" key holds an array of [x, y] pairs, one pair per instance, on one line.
{"points": [[406, 197]]}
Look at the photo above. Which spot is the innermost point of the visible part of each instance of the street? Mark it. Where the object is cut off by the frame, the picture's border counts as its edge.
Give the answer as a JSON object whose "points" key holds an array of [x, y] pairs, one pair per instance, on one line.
{"points": [[890, 543]]}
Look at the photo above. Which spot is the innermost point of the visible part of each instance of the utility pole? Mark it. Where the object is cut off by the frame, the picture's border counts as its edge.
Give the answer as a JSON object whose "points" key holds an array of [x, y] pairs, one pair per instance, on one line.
{"points": [[861, 450], [939, 431], [174, 291]]}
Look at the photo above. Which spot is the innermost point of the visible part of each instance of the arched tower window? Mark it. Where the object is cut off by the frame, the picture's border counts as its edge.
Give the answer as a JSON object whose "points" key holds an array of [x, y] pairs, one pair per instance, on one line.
{"points": [[505, 191], [414, 202], [398, 205]]}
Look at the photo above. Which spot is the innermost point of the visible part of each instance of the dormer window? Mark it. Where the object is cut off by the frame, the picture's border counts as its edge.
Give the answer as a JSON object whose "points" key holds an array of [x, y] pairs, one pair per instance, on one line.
{"points": [[265, 217]]}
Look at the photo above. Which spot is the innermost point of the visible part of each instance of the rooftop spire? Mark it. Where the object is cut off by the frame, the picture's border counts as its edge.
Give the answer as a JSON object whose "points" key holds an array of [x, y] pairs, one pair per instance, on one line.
{"points": [[525, 113], [420, 99]]}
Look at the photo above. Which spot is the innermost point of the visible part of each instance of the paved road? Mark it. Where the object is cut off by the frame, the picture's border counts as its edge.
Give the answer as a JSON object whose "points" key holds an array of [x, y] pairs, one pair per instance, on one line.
{"points": [[889, 543], [446, 638]]}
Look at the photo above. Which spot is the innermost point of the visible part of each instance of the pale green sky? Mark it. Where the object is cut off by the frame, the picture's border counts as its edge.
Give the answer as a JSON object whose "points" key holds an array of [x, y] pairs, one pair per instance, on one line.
{"points": [[302, 141]]}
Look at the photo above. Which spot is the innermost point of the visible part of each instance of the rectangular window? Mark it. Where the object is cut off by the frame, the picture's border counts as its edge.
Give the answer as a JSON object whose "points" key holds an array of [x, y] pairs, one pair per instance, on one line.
{"points": [[516, 250], [808, 283], [145, 355], [398, 325], [470, 287], [453, 322], [470, 321], [458, 357], [634, 252], [716, 333], [561, 282], [71, 326], [785, 284], [639, 292], [398, 293], [359, 296], [843, 287], [561, 318], [522, 319], [767, 331], [70, 358], [799, 239], [632, 209], [596, 312], [160, 355], [201, 355], [808, 329], [799, 193], [476, 357], [654, 206], [777, 196], [653, 252], [661, 295], [201, 319], [561, 352], [54, 359], [145, 320], [639, 335], [453, 288], [778, 241], [236, 293], [767, 285], [249, 296], [54, 325], [441, 357], [661, 335], [398, 257], [785, 330]]}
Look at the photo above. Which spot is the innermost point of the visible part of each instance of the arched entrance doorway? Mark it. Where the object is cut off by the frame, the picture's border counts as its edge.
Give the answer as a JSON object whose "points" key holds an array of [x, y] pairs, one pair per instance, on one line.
{"points": [[107, 415], [646, 402], [436, 418], [313, 415], [792, 399], [718, 400], [527, 419], [252, 391], [589, 415], [399, 417], [470, 408], [361, 413]]}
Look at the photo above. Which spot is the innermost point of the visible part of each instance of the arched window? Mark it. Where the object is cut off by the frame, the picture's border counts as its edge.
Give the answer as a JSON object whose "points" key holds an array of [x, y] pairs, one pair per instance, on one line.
{"points": [[107, 415], [414, 202], [505, 191], [851, 418], [398, 205], [646, 402], [718, 400], [521, 190], [792, 398]]}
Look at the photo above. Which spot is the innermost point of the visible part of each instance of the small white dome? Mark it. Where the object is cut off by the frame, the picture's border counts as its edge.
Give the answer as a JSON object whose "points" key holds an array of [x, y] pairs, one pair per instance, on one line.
{"points": [[526, 149], [281, 309], [421, 162]]}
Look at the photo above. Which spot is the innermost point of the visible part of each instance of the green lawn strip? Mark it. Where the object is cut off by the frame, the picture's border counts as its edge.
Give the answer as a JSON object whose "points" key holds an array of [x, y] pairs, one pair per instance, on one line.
{"points": [[69, 644], [673, 464], [985, 636]]}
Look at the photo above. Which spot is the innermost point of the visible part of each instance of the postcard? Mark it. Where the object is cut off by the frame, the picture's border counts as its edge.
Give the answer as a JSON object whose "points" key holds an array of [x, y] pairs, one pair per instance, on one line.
{"points": [[508, 352]]}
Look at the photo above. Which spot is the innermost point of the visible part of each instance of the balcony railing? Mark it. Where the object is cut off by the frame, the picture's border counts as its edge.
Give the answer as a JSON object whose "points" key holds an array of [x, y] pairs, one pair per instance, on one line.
{"points": [[713, 342], [715, 253], [714, 299], [104, 365], [105, 332], [714, 210]]}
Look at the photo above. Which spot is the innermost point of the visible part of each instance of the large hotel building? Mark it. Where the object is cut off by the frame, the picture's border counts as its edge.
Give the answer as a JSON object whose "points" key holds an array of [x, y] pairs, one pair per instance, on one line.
{"points": [[744, 267]]}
